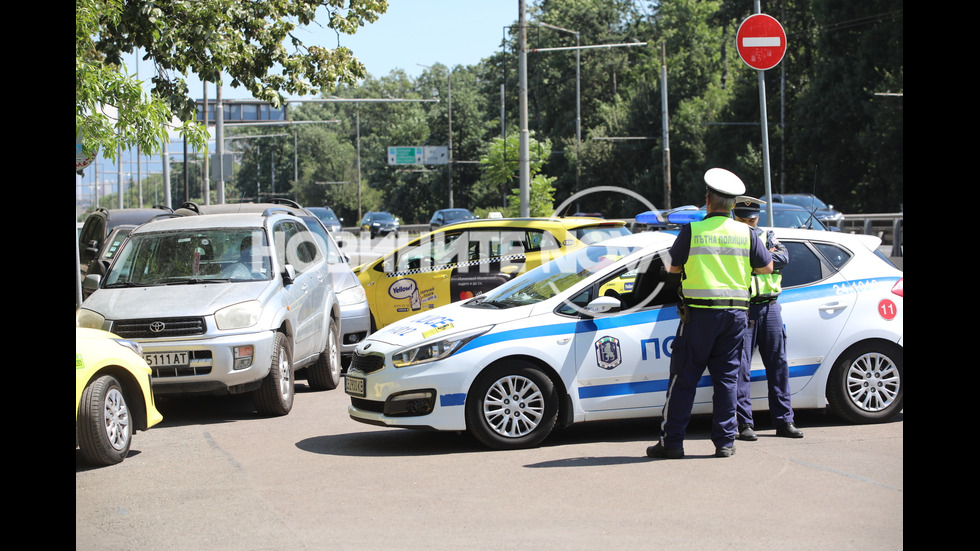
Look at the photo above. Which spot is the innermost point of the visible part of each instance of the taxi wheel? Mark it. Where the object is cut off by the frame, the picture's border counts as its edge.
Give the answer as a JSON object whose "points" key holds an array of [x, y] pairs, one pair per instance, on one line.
{"points": [[105, 431], [511, 406], [275, 396], [865, 385], [325, 373]]}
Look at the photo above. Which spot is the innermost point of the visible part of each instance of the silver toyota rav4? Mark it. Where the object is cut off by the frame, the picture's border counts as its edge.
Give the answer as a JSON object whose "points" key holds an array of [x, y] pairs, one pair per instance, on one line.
{"points": [[225, 303]]}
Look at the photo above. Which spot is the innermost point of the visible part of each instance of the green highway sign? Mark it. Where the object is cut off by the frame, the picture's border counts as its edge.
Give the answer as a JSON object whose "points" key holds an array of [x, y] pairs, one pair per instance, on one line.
{"points": [[404, 155]]}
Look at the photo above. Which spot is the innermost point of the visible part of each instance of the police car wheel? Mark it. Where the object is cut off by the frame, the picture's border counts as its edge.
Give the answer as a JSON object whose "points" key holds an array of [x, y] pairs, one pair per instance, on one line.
{"points": [[866, 384], [512, 405]]}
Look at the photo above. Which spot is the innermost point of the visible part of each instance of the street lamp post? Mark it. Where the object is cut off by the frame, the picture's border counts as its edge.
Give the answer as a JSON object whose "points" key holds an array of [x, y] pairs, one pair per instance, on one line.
{"points": [[449, 115]]}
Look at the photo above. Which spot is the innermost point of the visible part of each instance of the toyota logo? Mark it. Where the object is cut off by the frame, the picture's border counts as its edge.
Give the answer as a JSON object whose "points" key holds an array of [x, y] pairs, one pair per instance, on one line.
{"points": [[157, 326]]}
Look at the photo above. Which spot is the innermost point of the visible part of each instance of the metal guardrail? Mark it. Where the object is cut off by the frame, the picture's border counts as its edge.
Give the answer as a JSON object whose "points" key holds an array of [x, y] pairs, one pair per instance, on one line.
{"points": [[887, 226]]}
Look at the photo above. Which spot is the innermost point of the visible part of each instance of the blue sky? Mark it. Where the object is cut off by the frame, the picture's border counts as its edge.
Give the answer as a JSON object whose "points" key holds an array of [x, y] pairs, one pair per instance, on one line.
{"points": [[411, 32]]}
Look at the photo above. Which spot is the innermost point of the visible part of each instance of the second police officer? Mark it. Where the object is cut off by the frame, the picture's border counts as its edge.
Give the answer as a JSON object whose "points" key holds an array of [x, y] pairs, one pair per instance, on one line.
{"points": [[765, 330], [714, 258]]}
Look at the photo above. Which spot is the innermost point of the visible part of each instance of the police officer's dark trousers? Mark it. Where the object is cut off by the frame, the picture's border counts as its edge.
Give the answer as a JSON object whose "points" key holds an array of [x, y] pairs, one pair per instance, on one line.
{"points": [[712, 339], [767, 332]]}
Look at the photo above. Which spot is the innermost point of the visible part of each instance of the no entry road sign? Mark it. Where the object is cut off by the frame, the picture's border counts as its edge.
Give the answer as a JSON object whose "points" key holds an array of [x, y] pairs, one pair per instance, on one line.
{"points": [[761, 41]]}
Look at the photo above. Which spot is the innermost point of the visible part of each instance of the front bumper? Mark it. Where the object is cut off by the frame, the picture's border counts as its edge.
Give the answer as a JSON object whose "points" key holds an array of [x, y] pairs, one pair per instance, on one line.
{"points": [[423, 397], [211, 366], [355, 326]]}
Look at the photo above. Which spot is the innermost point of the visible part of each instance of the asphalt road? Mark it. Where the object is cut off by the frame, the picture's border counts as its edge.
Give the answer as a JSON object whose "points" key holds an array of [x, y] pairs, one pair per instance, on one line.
{"points": [[214, 475]]}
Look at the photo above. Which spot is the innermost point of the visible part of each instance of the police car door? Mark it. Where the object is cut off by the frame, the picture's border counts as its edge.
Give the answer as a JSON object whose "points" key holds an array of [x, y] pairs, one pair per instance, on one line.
{"points": [[624, 358], [816, 301]]}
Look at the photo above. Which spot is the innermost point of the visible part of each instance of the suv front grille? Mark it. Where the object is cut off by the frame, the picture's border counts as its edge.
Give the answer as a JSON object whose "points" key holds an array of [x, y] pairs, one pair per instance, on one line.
{"points": [[367, 363], [152, 328]]}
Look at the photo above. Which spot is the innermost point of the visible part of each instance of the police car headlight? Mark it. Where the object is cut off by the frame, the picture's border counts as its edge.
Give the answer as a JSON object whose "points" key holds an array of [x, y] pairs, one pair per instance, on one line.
{"points": [[436, 349]]}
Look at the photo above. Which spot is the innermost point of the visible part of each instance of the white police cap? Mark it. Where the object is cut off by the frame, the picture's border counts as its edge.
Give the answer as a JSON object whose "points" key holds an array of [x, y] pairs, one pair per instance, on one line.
{"points": [[724, 182]]}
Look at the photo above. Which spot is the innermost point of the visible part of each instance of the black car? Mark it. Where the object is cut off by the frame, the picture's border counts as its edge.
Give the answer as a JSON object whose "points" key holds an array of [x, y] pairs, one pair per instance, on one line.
{"points": [[444, 217], [379, 223], [101, 222], [822, 211], [327, 216]]}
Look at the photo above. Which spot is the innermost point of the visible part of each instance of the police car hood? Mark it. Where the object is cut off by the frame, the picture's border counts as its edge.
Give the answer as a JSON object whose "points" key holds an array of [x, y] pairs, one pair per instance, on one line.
{"points": [[444, 321], [196, 299]]}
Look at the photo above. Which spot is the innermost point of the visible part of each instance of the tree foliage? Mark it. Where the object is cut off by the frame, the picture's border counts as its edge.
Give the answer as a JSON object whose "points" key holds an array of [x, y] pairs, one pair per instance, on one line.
{"points": [[252, 42], [835, 113]]}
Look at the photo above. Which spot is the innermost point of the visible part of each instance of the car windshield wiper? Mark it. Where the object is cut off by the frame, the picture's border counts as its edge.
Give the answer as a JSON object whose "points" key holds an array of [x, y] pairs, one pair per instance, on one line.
{"points": [[482, 301], [192, 281], [127, 284]]}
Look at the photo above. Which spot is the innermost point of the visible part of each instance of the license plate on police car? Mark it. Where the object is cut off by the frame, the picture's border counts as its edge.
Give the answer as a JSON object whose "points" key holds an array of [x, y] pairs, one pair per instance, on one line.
{"points": [[166, 359], [354, 386]]}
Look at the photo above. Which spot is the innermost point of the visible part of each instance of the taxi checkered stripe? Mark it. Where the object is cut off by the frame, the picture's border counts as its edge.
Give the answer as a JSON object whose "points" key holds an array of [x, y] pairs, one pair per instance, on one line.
{"points": [[507, 258]]}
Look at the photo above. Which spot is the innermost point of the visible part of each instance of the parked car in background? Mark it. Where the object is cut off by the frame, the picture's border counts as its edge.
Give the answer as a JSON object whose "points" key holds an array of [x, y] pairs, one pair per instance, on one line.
{"points": [[554, 346], [224, 304], [444, 217], [113, 395], [355, 314], [98, 224], [465, 259], [379, 224], [784, 215], [102, 257], [327, 216], [823, 212]]}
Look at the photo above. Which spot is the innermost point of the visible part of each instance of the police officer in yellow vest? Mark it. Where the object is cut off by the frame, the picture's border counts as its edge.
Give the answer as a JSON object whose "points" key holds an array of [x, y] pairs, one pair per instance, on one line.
{"points": [[765, 330], [714, 259]]}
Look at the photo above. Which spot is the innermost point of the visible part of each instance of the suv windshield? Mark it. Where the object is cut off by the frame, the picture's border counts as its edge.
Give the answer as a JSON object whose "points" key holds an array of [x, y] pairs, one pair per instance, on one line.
{"points": [[554, 277], [192, 256]]}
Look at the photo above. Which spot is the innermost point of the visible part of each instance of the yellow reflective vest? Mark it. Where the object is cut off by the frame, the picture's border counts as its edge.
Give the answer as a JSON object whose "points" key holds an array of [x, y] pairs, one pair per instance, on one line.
{"points": [[718, 273]]}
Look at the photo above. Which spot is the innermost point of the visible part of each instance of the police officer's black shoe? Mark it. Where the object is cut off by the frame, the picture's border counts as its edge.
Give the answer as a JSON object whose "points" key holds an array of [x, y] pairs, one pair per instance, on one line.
{"points": [[788, 430], [746, 432], [725, 452], [660, 452]]}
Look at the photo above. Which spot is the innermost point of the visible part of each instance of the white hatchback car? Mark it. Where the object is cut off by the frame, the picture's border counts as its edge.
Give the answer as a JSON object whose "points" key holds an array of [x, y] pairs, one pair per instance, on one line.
{"points": [[588, 337]]}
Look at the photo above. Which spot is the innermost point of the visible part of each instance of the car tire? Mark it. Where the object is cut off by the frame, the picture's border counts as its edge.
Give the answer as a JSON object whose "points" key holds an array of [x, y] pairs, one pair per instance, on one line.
{"points": [[866, 385], [105, 429], [512, 405], [325, 373], [275, 396]]}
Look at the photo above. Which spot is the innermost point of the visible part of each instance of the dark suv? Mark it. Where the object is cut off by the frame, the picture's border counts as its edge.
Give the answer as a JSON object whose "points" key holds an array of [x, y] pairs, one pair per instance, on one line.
{"points": [[101, 222]]}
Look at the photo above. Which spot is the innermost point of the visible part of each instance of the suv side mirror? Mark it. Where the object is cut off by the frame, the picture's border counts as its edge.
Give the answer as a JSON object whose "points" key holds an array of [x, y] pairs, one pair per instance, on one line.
{"points": [[288, 274]]}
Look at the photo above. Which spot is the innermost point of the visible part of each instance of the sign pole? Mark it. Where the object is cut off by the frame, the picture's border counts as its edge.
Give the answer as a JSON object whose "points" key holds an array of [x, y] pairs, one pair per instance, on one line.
{"points": [[761, 43]]}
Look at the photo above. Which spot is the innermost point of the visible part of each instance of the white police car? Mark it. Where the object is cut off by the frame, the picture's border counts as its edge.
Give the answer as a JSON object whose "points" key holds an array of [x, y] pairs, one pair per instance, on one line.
{"points": [[588, 337]]}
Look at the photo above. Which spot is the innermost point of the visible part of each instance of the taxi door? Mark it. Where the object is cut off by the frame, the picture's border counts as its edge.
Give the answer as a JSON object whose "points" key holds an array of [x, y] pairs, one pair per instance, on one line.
{"points": [[417, 277], [624, 358]]}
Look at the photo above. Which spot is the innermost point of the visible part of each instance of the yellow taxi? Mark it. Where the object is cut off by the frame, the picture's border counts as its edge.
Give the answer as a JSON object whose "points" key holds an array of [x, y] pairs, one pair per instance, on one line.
{"points": [[465, 259], [113, 395]]}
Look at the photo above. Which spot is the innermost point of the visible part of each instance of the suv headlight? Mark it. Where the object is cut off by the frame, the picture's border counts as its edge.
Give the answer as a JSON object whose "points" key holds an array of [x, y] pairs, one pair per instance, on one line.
{"points": [[435, 349], [87, 318], [238, 316], [354, 295]]}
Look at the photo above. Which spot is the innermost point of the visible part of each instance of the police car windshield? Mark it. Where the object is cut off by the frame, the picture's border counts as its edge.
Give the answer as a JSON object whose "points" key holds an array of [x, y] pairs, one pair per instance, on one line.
{"points": [[553, 277]]}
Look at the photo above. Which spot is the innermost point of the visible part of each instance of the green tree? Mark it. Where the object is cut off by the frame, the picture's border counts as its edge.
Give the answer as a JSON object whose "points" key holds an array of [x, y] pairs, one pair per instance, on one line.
{"points": [[245, 40], [501, 170]]}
